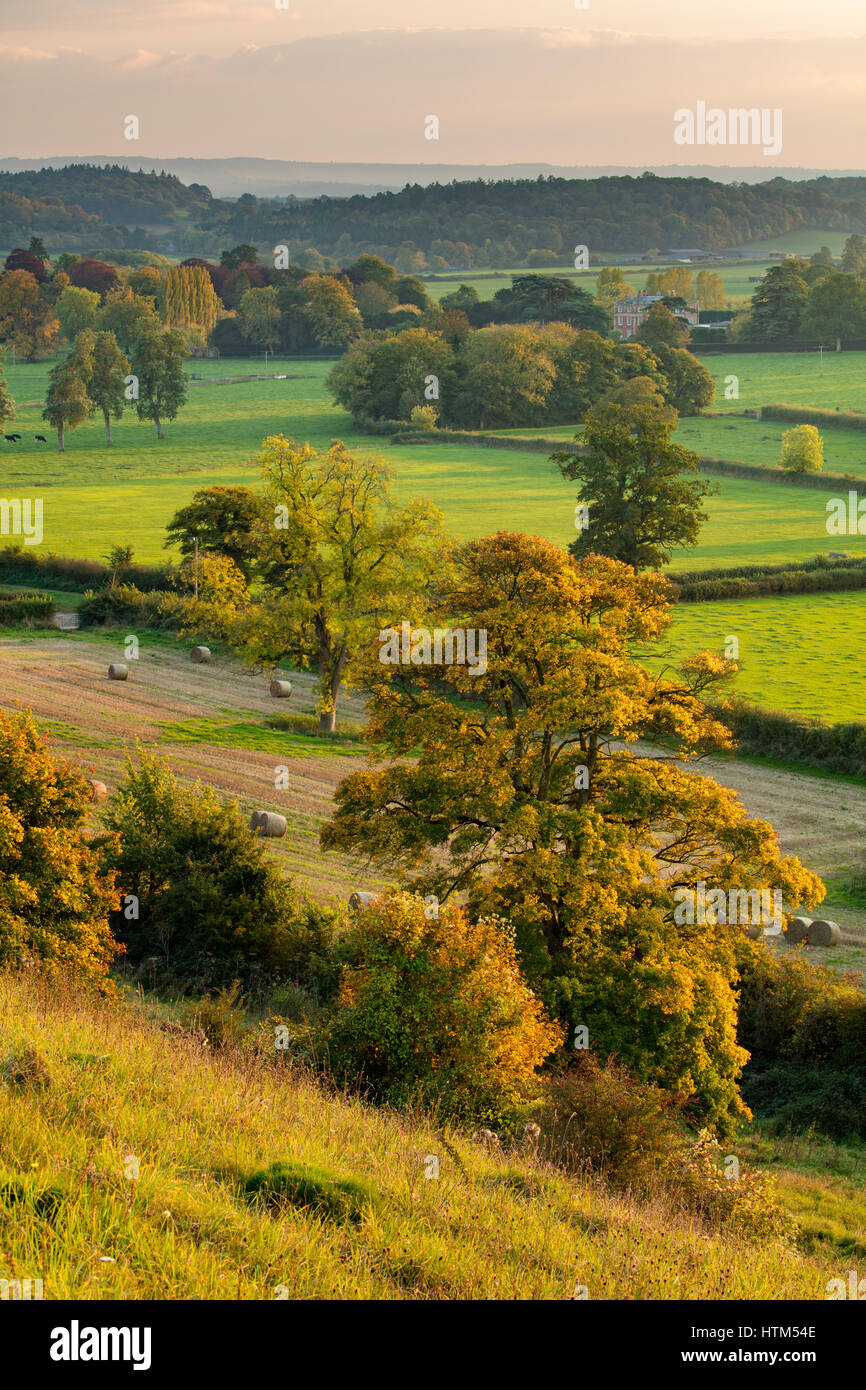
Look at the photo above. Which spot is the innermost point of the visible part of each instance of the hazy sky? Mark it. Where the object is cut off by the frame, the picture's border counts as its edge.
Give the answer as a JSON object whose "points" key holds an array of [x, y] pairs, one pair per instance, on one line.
{"points": [[510, 80]]}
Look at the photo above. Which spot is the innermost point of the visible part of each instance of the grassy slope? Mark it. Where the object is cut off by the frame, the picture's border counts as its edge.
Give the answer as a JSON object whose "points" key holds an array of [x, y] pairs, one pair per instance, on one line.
{"points": [[489, 1227]]}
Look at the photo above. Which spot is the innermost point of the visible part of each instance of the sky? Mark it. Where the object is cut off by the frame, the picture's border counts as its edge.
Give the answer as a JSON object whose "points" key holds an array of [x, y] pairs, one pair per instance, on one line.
{"points": [[357, 80]]}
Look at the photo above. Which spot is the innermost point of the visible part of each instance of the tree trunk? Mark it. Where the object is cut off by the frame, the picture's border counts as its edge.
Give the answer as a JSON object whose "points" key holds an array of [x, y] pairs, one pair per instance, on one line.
{"points": [[60, 438], [159, 433], [328, 720], [107, 427], [838, 344]]}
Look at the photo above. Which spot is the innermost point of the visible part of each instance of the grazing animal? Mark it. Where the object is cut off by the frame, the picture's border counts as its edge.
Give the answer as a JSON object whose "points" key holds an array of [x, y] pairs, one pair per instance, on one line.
{"points": [[10, 438], [16, 437], [40, 439]]}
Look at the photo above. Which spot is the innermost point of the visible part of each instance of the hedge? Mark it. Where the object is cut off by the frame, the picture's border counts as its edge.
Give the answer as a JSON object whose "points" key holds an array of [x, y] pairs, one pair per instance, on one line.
{"points": [[814, 579], [20, 566], [796, 738], [814, 415], [35, 610]]}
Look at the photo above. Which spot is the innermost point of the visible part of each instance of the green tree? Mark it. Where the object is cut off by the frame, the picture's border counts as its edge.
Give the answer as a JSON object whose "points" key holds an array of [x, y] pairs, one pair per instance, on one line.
{"points": [[779, 303], [336, 555], [222, 521], [331, 311], [802, 450], [836, 308], [259, 317], [854, 255], [640, 505], [67, 404], [210, 902], [383, 376], [661, 328], [157, 363], [127, 315], [527, 790], [506, 377], [689, 385], [55, 899], [107, 385], [245, 254], [77, 309]]}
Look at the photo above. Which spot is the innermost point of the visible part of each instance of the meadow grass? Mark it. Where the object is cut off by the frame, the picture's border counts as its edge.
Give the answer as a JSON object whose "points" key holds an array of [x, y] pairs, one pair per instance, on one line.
{"points": [[792, 378], [801, 652], [95, 1094]]}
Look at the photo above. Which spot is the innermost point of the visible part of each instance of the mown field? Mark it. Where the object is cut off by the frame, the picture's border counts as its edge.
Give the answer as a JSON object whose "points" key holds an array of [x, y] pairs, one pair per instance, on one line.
{"points": [[739, 279]]}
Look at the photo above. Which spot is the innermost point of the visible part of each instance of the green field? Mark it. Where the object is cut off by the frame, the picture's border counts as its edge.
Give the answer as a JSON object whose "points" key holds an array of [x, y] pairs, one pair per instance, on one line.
{"points": [[739, 279], [801, 653], [794, 378]]}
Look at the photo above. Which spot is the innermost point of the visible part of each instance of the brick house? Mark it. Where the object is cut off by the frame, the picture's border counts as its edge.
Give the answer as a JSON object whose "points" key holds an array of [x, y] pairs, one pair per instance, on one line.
{"points": [[629, 314]]}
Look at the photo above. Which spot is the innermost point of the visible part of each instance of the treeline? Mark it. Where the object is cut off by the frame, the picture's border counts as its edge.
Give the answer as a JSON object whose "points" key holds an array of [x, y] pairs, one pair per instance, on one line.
{"points": [[112, 192], [499, 223], [20, 566], [814, 415], [819, 300], [816, 577], [838, 748]]}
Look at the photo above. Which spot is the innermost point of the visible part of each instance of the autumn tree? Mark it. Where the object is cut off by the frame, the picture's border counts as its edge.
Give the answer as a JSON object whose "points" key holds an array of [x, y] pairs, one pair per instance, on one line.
{"points": [[710, 290], [611, 286], [127, 316], [535, 790], [335, 555], [55, 899], [67, 404], [27, 320], [802, 449], [632, 481], [107, 385], [7, 405], [190, 298], [157, 363]]}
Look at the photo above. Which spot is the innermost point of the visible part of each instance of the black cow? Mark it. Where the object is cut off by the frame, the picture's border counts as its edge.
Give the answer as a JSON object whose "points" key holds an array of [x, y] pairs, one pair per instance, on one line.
{"points": [[10, 438], [40, 439]]}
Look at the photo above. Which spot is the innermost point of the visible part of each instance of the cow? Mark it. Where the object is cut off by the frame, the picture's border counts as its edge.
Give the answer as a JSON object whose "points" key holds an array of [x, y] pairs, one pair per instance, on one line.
{"points": [[40, 439]]}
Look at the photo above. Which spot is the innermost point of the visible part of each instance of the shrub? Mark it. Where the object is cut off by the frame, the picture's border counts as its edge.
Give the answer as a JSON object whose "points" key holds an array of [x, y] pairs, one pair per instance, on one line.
{"points": [[33, 610], [209, 900], [796, 738], [305, 1187], [55, 898], [124, 603], [433, 1008]]}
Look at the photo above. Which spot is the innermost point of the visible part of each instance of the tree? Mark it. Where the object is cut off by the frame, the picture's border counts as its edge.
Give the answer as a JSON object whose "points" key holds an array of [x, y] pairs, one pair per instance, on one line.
{"points": [[19, 259], [26, 318], [779, 303], [661, 328], [107, 385], [372, 270], [37, 248], [802, 450], [383, 376], [259, 317], [67, 404], [465, 297], [836, 308], [854, 255], [612, 286], [7, 405], [331, 311], [689, 385], [118, 559], [824, 256], [190, 299], [506, 377], [221, 520], [76, 310], [528, 791], [432, 1009], [245, 254], [335, 554], [127, 315], [55, 899], [546, 299], [640, 506], [157, 363], [710, 290], [91, 274], [210, 902]]}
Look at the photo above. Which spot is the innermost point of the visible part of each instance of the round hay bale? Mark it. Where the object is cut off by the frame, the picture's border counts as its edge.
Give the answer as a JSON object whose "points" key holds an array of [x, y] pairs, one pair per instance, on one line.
{"points": [[754, 931], [358, 899], [255, 818], [98, 790], [824, 933], [118, 671], [201, 655], [281, 690], [798, 929], [272, 826]]}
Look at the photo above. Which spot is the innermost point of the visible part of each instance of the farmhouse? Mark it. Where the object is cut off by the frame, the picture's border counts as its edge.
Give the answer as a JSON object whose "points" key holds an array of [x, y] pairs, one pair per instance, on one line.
{"points": [[629, 314]]}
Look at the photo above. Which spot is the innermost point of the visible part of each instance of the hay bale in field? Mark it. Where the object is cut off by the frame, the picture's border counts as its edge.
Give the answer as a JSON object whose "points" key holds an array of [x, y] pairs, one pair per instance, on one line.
{"points": [[824, 933], [281, 690], [798, 929], [358, 899], [98, 790], [118, 671], [754, 931], [255, 818], [270, 825], [201, 655]]}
